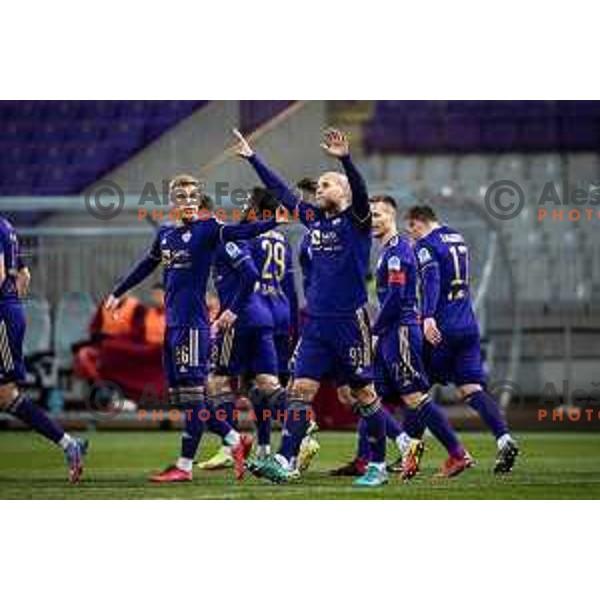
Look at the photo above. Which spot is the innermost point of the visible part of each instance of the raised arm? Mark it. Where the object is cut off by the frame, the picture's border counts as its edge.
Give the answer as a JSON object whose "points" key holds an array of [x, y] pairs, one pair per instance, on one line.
{"points": [[274, 183], [336, 145]]}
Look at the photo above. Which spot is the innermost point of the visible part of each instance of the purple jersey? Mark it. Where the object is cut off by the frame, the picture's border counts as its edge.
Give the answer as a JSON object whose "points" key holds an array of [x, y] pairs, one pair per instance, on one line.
{"points": [[397, 280], [237, 281], [443, 258], [340, 244], [9, 254], [186, 252], [272, 256]]}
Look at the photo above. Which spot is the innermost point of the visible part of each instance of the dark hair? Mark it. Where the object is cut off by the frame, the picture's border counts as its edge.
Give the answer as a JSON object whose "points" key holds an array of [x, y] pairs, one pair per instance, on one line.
{"points": [[387, 200], [206, 202], [421, 212], [306, 184], [263, 200]]}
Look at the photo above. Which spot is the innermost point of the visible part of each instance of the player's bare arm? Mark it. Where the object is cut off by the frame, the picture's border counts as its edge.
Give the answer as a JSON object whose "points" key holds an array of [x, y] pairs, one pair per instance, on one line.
{"points": [[23, 281], [2, 269]]}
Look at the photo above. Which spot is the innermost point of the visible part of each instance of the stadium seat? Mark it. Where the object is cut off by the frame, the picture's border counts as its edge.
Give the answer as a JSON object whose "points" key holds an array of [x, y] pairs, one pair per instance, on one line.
{"points": [[473, 173], [401, 169], [438, 172], [42, 133], [510, 166]]}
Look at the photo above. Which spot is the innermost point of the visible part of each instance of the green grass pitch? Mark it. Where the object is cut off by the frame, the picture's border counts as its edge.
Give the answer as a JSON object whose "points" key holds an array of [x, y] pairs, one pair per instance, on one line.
{"points": [[551, 466]]}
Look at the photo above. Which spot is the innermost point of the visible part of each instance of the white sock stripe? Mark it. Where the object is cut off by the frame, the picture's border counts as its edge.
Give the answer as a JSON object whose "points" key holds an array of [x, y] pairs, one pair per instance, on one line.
{"points": [[2, 345], [8, 362], [194, 339]]}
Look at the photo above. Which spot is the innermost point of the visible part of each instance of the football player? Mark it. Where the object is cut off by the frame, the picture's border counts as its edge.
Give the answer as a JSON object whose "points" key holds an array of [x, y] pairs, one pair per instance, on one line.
{"points": [[451, 330], [336, 338], [399, 368], [14, 283], [186, 251]]}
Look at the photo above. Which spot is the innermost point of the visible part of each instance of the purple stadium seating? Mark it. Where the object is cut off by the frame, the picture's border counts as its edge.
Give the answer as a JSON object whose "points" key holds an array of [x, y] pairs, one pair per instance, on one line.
{"points": [[60, 147], [463, 133], [254, 113], [483, 126]]}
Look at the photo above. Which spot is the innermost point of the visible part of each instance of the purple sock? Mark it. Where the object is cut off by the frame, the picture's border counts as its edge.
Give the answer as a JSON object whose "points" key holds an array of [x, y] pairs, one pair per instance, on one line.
{"points": [[413, 425], [375, 421], [392, 427], [218, 422], [228, 406], [193, 430], [296, 424], [25, 410], [263, 411], [489, 412], [363, 451], [435, 419]]}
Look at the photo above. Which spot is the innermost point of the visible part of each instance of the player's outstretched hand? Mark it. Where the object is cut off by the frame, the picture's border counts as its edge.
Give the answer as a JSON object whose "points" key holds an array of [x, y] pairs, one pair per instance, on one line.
{"points": [[431, 331], [111, 303], [226, 319], [244, 149], [335, 143]]}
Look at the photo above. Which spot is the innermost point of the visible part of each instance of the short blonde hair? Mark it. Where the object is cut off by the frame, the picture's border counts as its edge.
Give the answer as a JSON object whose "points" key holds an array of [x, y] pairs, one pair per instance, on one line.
{"points": [[184, 179]]}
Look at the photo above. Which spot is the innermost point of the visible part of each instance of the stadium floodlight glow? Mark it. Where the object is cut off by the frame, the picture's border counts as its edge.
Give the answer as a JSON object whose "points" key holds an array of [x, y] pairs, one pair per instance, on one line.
{"points": [[446, 191]]}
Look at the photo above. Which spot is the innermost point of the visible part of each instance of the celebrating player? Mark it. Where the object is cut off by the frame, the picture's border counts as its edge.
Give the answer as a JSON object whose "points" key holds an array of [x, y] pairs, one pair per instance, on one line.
{"points": [[186, 251], [399, 369], [453, 350], [336, 339], [14, 282]]}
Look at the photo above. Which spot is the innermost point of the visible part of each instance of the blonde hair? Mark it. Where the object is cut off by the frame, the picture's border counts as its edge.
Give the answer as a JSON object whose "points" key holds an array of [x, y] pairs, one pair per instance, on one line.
{"points": [[184, 179]]}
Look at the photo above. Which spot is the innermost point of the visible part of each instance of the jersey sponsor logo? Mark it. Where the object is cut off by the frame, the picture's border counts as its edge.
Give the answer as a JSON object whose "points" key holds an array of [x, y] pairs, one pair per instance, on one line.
{"points": [[424, 255], [187, 236], [233, 250], [397, 277], [452, 238]]}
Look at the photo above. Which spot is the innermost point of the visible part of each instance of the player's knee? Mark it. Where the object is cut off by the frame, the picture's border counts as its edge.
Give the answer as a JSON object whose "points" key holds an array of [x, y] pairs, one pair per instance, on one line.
{"points": [[345, 396], [266, 383], [217, 384], [364, 395], [303, 390], [8, 393], [414, 400], [466, 390]]}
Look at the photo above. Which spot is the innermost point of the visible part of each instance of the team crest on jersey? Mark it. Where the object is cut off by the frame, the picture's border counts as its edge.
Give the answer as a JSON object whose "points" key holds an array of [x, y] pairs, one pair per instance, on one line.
{"points": [[423, 255], [187, 236], [232, 250], [394, 264]]}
